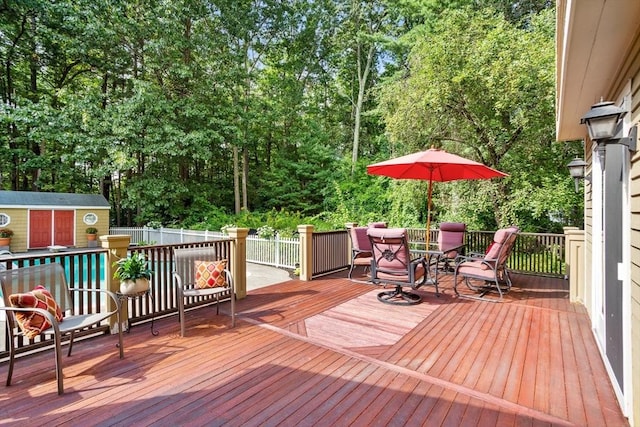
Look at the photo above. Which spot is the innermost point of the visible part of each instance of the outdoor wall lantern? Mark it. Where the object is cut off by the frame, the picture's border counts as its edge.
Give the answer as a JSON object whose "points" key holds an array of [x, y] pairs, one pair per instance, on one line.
{"points": [[576, 169], [604, 122]]}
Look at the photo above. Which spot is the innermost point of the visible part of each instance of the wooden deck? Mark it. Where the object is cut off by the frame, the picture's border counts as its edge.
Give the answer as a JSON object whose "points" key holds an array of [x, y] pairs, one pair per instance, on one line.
{"points": [[327, 352]]}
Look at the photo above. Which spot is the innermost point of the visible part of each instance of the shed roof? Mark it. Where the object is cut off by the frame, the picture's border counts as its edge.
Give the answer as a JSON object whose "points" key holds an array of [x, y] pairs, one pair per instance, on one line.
{"points": [[14, 199]]}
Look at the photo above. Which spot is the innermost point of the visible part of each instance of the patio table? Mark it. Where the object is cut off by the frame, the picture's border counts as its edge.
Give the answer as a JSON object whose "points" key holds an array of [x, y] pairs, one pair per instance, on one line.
{"points": [[432, 257], [123, 298]]}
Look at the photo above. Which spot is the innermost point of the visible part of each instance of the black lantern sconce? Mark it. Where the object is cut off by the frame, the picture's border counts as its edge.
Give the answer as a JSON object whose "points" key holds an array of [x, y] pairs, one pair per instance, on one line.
{"points": [[604, 122], [576, 169]]}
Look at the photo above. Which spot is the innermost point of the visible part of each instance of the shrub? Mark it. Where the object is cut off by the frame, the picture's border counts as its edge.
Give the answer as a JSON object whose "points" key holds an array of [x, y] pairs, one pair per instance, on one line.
{"points": [[6, 233], [266, 232]]}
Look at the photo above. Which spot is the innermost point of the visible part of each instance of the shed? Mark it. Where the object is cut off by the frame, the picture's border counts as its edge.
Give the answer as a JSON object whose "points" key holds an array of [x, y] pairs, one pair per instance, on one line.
{"points": [[40, 220]]}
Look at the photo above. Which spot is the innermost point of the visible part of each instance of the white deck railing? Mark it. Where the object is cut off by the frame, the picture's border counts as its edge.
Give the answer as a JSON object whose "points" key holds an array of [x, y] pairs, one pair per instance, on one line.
{"points": [[278, 252]]}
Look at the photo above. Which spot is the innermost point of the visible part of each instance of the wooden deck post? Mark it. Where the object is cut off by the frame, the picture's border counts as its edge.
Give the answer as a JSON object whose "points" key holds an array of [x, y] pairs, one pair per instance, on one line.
{"points": [[239, 260], [574, 259], [306, 251], [349, 226], [117, 244]]}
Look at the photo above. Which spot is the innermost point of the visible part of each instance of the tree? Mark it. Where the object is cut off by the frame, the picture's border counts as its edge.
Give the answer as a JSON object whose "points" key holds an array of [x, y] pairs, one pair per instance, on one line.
{"points": [[482, 87]]}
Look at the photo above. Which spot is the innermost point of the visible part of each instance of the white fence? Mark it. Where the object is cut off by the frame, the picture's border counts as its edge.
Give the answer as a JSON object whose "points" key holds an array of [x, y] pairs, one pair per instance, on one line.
{"points": [[278, 252]]}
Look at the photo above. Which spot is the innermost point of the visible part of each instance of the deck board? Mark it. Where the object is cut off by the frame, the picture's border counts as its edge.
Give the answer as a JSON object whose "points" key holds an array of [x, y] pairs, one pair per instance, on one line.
{"points": [[327, 352]]}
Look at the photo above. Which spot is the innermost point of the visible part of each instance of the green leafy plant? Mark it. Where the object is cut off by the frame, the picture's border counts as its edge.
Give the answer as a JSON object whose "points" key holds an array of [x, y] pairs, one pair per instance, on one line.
{"points": [[154, 224], [6, 233], [91, 230], [266, 232], [132, 267]]}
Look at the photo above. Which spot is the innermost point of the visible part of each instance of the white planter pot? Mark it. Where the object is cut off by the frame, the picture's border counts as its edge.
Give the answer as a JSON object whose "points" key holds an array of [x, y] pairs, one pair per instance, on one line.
{"points": [[129, 287]]}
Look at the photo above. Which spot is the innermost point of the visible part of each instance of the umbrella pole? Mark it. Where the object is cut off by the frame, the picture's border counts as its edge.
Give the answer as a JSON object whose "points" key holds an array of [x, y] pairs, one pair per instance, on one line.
{"points": [[428, 233]]}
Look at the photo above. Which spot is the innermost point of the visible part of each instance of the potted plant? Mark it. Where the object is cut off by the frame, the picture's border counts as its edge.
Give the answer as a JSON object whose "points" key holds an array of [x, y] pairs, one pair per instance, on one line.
{"points": [[5, 236], [91, 233], [133, 273]]}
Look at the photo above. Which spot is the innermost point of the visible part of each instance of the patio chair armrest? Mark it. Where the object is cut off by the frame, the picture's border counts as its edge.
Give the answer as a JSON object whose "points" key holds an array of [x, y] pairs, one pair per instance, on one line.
{"points": [[107, 292], [360, 251], [431, 257], [475, 254], [417, 261], [101, 291], [230, 280], [177, 279], [457, 248], [490, 264], [50, 318], [463, 258], [469, 257]]}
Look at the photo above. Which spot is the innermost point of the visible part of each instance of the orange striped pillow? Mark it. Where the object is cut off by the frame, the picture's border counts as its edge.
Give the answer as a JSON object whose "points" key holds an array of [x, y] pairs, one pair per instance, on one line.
{"points": [[210, 274]]}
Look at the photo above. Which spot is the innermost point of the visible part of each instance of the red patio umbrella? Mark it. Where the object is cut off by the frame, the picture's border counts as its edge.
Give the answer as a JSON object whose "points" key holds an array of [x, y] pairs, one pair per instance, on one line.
{"points": [[433, 165]]}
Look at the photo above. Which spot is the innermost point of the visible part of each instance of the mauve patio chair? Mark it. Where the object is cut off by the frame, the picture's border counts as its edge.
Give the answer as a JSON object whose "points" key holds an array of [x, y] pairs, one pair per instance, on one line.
{"points": [[450, 239], [490, 273], [360, 249], [392, 264]]}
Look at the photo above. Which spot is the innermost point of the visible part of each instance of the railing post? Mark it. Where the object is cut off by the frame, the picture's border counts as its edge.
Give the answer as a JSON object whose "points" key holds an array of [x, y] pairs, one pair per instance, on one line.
{"points": [[239, 259], [349, 226], [574, 258], [117, 245], [306, 251]]}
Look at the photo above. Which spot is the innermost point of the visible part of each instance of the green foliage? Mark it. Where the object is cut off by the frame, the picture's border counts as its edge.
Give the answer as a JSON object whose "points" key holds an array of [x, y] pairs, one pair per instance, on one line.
{"points": [[483, 87], [132, 267], [147, 103], [5, 233], [266, 232]]}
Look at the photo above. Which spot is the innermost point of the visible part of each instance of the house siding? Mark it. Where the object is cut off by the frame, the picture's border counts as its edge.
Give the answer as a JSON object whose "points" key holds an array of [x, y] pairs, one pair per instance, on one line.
{"points": [[634, 232], [598, 58], [588, 236]]}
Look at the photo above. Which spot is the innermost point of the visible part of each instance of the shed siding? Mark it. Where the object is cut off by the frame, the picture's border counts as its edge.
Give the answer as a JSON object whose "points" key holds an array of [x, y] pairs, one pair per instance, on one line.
{"points": [[18, 224], [102, 225], [13, 204]]}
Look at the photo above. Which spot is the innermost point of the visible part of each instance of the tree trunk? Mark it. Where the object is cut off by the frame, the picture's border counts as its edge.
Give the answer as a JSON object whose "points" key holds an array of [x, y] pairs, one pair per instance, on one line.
{"points": [[363, 76], [245, 177], [236, 180]]}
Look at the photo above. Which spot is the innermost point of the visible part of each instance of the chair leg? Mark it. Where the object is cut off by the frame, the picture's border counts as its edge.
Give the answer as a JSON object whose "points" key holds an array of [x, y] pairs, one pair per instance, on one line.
{"points": [[71, 336], [119, 320], [233, 308], [12, 351], [351, 270], [58, 349], [399, 297], [181, 313]]}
